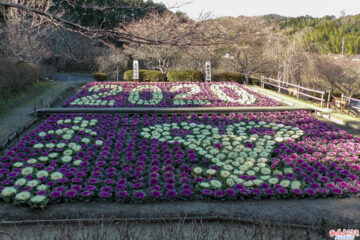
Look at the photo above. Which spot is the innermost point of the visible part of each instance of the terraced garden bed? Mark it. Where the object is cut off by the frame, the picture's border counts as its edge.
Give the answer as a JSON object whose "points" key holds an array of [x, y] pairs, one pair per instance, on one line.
{"points": [[197, 94], [139, 158]]}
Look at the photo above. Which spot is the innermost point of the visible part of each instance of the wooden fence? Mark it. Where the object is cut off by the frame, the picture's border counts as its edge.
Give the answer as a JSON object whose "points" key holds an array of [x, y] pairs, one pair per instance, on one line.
{"points": [[351, 104], [293, 89], [343, 103]]}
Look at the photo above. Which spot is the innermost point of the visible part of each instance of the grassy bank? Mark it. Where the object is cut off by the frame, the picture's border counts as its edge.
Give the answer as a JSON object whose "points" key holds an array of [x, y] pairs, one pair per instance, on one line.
{"points": [[23, 96]]}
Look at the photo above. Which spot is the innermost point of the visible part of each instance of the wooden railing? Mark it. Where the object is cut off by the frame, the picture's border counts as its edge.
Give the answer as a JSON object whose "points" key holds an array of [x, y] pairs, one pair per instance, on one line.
{"points": [[352, 105], [293, 89]]}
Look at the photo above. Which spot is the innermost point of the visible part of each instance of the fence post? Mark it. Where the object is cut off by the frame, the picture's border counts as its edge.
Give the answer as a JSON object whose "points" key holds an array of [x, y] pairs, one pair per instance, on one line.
{"points": [[328, 100], [322, 99], [262, 81], [279, 86], [297, 93]]}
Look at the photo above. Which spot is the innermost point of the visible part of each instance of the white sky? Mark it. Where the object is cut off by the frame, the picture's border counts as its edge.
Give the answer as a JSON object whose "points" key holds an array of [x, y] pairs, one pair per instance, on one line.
{"points": [[315, 8]]}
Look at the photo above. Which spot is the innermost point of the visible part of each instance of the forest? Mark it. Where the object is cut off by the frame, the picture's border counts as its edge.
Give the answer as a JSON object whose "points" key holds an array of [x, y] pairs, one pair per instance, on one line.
{"points": [[327, 32]]}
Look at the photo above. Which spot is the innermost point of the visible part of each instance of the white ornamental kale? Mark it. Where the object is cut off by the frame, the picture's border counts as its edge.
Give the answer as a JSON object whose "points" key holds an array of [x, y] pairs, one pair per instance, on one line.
{"points": [[188, 97], [65, 157], [135, 95], [244, 96], [237, 152], [99, 91]]}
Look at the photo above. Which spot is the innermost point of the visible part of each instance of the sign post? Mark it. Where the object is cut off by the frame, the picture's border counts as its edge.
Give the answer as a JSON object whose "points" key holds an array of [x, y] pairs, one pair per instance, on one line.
{"points": [[208, 71], [136, 69]]}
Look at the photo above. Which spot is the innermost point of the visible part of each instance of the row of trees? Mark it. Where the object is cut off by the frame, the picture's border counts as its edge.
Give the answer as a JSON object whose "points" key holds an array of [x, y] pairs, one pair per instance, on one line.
{"points": [[248, 46], [213, 40], [165, 40]]}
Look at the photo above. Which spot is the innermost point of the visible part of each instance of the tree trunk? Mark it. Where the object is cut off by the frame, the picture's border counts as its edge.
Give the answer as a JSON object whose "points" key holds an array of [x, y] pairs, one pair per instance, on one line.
{"points": [[246, 79], [163, 71], [117, 72], [349, 104]]}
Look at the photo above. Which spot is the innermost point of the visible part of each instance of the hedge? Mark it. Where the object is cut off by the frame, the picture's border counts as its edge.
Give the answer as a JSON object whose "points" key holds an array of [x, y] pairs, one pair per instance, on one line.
{"points": [[185, 76], [233, 77], [228, 77], [145, 75], [100, 77]]}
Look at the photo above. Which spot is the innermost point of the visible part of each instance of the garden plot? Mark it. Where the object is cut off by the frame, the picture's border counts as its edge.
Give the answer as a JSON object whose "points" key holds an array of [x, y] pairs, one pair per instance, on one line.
{"points": [[135, 94], [139, 158]]}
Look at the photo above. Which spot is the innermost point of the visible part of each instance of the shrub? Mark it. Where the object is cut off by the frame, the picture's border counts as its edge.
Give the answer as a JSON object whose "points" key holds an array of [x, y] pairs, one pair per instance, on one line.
{"points": [[228, 77], [254, 81], [357, 96], [233, 77], [185, 76], [100, 77], [16, 76], [145, 75]]}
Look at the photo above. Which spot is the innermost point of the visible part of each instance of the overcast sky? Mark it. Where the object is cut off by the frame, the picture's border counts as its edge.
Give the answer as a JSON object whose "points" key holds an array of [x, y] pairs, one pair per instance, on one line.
{"points": [[315, 8]]}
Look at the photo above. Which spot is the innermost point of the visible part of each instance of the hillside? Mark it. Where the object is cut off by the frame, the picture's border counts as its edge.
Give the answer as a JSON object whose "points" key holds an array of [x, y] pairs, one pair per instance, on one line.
{"points": [[327, 31]]}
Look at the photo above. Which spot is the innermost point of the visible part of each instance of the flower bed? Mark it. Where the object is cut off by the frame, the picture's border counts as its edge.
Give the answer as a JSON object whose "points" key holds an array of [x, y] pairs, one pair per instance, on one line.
{"points": [[130, 94], [83, 157]]}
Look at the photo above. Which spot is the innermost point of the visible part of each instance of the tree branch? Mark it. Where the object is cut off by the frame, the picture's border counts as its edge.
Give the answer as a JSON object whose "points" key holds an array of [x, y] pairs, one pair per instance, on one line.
{"points": [[96, 33]]}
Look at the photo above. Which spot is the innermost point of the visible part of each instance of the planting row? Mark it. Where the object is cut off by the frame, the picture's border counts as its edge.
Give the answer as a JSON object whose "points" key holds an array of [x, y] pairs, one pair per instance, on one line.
{"points": [[129, 94], [136, 158]]}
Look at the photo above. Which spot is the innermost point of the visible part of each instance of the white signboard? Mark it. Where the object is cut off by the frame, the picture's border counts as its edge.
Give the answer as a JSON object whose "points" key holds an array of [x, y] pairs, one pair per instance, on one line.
{"points": [[208, 71], [136, 69]]}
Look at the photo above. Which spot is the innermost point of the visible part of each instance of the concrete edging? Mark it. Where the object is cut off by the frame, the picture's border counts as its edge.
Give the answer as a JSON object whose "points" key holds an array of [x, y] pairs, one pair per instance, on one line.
{"points": [[145, 110]]}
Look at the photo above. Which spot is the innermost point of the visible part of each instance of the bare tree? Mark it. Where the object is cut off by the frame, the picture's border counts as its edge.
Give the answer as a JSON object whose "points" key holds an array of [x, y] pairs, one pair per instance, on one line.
{"points": [[108, 36], [275, 51], [159, 28], [246, 37], [112, 61], [350, 83], [336, 74], [291, 58], [24, 35], [325, 72], [194, 57], [296, 60]]}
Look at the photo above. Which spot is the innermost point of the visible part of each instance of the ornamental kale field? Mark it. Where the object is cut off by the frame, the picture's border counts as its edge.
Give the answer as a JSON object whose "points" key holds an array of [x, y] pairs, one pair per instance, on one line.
{"points": [[196, 94], [139, 158]]}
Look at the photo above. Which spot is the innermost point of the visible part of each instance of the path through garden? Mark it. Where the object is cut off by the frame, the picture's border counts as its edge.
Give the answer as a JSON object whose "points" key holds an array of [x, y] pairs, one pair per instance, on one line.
{"points": [[18, 116]]}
